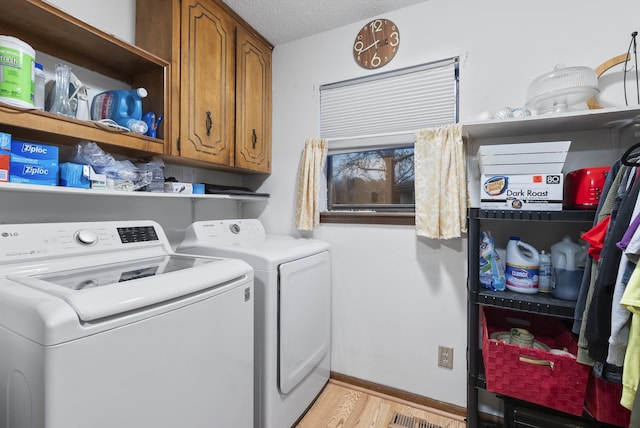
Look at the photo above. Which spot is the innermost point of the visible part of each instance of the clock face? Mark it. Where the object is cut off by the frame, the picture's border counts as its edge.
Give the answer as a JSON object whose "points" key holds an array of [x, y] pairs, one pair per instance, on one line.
{"points": [[376, 44]]}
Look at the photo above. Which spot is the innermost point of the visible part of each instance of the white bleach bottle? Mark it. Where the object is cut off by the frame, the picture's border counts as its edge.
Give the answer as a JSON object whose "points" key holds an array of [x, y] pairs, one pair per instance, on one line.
{"points": [[522, 267]]}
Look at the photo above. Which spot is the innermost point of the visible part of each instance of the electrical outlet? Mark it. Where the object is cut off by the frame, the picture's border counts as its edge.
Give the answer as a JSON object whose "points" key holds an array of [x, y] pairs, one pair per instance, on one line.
{"points": [[445, 357]]}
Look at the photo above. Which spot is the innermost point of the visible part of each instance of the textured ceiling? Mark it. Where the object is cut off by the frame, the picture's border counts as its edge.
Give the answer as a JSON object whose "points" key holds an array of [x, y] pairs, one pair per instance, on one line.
{"points": [[282, 21]]}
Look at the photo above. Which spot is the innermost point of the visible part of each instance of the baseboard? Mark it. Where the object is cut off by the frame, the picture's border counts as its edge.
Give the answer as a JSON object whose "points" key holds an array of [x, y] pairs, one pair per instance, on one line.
{"points": [[429, 404]]}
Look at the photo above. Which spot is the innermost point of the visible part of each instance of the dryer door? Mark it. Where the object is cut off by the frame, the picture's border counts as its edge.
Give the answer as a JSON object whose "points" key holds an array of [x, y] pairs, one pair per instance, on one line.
{"points": [[304, 317]]}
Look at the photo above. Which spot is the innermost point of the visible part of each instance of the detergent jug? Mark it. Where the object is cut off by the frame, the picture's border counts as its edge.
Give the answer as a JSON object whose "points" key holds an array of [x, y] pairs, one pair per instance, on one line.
{"points": [[523, 264], [567, 275], [122, 106]]}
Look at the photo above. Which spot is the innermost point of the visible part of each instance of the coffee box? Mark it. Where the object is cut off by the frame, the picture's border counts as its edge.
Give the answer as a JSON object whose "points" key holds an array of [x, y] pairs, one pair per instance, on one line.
{"points": [[542, 192]]}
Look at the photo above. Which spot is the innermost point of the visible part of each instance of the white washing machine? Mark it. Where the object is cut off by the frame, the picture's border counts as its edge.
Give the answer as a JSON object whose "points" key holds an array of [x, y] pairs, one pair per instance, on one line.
{"points": [[103, 326], [293, 312]]}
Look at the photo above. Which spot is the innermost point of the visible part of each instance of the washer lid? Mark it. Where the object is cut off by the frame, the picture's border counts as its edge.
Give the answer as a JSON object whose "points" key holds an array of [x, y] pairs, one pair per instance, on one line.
{"points": [[97, 292], [261, 253]]}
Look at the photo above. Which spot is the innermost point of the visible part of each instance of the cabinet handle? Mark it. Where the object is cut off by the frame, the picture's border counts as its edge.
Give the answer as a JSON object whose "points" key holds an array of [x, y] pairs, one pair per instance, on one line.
{"points": [[209, 123], [254, 138]]}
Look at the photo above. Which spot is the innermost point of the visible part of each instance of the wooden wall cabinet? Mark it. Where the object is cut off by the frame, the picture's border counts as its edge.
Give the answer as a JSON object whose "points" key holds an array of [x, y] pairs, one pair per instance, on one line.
{"points": [[253, 103], [222, 78]]}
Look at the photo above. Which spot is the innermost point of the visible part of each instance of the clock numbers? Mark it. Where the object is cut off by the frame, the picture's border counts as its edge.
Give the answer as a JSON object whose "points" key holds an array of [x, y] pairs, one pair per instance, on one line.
{"points": [[376, 25], [376, 44], [376, 61], [394, 38]]}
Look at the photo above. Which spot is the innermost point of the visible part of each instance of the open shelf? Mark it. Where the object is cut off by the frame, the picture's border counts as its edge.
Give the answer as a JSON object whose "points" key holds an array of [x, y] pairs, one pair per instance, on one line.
{"points": [[609, 118], [52, 31], [27, 188], [516, 215], [49, 128], [539, 303]]}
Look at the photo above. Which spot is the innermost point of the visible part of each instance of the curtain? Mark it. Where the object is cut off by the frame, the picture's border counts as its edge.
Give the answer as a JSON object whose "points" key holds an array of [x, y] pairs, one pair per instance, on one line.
{"points": [[440, 182], [314, 156]]}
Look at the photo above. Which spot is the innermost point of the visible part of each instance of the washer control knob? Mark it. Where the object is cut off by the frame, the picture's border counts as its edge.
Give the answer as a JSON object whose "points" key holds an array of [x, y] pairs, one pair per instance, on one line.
{"points": [[86, 237], [235, 228]]}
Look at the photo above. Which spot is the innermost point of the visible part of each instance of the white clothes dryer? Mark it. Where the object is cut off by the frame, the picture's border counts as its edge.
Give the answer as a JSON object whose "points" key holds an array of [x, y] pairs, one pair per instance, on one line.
{"points": [[102, 326], [293, 312]]}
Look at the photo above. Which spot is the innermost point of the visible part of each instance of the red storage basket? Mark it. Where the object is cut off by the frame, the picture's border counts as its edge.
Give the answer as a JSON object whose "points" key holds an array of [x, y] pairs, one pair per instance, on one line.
{"points": [[603, 402], [532, 374]]}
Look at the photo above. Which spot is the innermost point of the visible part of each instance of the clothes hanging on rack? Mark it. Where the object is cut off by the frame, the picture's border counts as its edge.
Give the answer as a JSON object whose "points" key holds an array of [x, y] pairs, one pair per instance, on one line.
{"points": [[620, 316], [606, 209], [598, 328], [607, 315], [584, 287], [631, 372], [630, 157]]}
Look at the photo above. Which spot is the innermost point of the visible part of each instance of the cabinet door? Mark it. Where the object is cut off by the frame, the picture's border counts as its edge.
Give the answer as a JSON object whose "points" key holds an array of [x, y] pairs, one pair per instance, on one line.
{"points": [[207, 81], [253, 103]]}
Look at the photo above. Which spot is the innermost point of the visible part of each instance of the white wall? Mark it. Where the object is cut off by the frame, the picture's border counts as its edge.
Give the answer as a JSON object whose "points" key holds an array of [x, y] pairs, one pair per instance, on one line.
{"points": [[116, 17], [397, 297]]}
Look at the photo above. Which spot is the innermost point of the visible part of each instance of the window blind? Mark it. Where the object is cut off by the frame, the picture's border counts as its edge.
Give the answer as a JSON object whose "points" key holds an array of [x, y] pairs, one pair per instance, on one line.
{"points": [[385, 109]]}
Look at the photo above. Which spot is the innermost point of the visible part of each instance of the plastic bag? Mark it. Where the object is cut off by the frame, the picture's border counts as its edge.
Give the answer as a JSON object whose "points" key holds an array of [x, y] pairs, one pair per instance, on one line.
{"points": [[123, 175], [491, 270]]}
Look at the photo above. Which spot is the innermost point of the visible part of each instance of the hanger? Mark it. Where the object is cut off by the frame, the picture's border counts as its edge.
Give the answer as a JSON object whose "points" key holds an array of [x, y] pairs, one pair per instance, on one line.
{"points": [[631, 159]]}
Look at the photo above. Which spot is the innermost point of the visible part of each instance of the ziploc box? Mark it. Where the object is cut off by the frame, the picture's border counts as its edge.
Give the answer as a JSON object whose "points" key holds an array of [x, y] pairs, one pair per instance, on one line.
{"points": [[526, 176], [33, 163]]}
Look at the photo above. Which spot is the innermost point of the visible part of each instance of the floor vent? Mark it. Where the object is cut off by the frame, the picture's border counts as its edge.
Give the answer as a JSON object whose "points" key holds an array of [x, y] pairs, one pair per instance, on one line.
{"points": [[403, 421]]}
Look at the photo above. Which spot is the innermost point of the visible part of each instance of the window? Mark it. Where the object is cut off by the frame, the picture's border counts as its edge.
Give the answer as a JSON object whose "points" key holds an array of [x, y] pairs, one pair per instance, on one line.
{"points": [[373, 179], [370, 122]]}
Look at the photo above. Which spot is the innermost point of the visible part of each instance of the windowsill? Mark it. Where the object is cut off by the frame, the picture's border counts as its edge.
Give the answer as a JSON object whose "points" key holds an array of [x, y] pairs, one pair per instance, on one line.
{"points": [[368, 217]]}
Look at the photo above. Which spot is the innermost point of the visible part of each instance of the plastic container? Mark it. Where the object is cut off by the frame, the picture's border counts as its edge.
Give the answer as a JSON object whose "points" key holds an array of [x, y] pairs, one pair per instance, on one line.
{"points": [[567, 276], [562, 88], [544, 276], [61, 102], [40, 80], [522, 267], [566, 254], [17, 61], [119, 105]]}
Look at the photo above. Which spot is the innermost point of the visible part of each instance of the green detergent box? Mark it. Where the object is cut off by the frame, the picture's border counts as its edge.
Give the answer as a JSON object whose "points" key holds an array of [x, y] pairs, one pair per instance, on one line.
{"points": [[33, 163]]}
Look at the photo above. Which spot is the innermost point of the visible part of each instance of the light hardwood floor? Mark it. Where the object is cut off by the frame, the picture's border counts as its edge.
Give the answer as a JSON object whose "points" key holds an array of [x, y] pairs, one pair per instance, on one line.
{"points": [[345, 406]]}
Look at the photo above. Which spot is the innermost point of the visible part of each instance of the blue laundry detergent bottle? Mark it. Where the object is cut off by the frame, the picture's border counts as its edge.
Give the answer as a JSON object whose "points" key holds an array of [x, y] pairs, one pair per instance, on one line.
{"points": [[122, 106]]}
